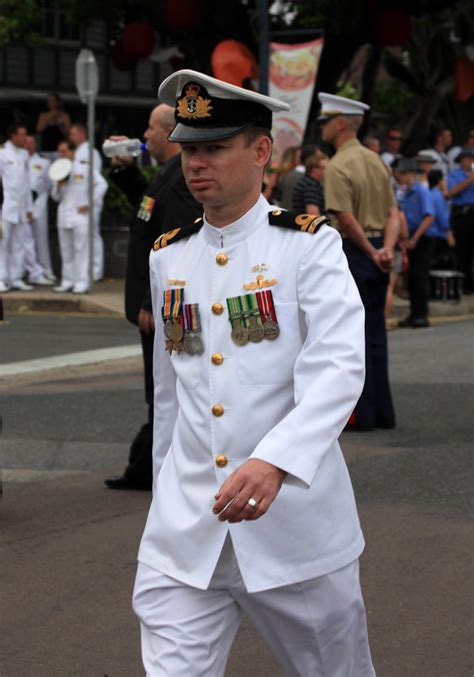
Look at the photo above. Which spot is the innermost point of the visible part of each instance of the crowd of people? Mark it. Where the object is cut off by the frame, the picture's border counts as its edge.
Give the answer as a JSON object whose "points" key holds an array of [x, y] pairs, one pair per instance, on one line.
{"points": [[26, 186], [435, 197]]}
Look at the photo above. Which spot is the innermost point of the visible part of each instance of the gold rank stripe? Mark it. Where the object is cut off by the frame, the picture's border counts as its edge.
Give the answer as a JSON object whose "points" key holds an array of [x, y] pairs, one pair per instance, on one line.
{"points": [[163, 240]]}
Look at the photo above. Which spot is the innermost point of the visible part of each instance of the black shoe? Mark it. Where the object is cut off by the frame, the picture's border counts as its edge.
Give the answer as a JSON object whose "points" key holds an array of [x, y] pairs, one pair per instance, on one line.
{"points": [[420, 322], [407, 322], [126, 483]]}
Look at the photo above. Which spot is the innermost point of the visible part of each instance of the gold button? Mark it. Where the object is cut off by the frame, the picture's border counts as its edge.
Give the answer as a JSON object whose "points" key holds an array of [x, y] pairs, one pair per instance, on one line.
{"points": [[221, 461], [277, 212], [222, 259], [217, 358], [217, 410], [217, 308]]}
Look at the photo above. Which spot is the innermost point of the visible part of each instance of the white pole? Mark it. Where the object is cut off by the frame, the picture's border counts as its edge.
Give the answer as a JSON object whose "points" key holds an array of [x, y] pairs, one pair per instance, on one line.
{"points": [[91, 136]]}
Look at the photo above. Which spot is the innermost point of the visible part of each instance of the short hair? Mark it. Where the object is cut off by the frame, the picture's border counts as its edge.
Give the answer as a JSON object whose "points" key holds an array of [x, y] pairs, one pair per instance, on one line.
{"points": [[434, 177], [68, 143], [392, 129], [252, 133], [354, 122], [307, 150], [13, 129], [81, 126], [314, 161]]}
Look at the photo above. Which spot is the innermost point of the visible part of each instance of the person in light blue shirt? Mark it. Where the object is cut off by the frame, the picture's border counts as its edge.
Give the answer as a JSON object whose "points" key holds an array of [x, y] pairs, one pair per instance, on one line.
{"points": [[445, 241], [419, 212], [461, 190]]}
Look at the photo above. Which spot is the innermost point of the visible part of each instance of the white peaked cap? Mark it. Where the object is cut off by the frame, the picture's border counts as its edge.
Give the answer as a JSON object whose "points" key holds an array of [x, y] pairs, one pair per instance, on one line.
{"points": [[332, 105]]}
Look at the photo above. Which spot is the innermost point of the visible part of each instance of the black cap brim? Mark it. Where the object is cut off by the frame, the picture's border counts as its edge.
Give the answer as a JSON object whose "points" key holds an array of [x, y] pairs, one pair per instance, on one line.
{"points": [[186, 134]]}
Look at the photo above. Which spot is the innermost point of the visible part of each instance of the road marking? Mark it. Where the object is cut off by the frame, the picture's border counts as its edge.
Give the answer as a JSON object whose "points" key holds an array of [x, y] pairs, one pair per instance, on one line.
{"points": [[70, 360]]}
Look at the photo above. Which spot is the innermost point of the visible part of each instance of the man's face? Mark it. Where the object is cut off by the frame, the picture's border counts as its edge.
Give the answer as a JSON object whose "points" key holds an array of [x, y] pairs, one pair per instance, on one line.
{"points": [[467, 163], [330, 129], [224, 172], [407, 178], [30, 144], [19, 137], [65, 151], [446, 138], [76, 136], [318, 172], [156, 136], [425, 167], [394, 140]]}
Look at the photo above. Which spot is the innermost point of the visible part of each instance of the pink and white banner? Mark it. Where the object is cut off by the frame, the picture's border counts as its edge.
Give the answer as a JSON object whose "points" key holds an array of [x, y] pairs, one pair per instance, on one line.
{"points": [[292, 73]]}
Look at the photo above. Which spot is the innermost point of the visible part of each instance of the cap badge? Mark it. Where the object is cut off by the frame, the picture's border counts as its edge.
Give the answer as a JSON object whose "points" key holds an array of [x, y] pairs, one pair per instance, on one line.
{"points": [[191, 106]]}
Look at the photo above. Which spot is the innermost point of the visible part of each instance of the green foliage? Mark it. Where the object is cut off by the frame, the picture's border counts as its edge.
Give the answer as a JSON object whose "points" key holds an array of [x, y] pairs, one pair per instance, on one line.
{"points": [[116, 204], [348, 90], [19, 21], [392, 99]]}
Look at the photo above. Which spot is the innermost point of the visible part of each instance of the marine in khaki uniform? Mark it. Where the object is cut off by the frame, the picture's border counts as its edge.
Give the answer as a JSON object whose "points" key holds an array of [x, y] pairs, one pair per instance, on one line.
{"points": [[360, 197], [258, 363]]}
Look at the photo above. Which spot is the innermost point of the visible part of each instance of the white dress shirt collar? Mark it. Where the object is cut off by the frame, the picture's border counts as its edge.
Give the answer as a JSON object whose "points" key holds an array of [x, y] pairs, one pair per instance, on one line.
{"points": [[239, 230]]}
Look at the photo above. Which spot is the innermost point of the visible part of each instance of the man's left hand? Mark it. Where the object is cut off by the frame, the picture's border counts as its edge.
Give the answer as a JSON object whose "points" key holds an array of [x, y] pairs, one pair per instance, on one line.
{"points": [[255, 479]]}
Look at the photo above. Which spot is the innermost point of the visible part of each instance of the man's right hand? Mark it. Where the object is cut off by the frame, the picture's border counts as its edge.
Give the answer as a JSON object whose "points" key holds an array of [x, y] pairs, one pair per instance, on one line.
{"points": [[122, 161], [383, 259], [146, 322]]}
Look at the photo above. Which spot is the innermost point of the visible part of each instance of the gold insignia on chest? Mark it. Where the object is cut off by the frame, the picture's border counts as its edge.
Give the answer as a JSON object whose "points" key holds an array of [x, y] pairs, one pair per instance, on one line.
{"points": [[259, 267], [260, 283], [192, 106], [177, 283]]}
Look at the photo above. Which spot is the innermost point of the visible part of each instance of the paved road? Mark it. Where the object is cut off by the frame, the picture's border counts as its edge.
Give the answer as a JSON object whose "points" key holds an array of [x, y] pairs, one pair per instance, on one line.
{"points": [[69, 544]]}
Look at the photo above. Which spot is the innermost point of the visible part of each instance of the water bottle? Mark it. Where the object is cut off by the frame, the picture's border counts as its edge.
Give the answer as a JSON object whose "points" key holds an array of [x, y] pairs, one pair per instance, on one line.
{"points": [[131, 147]]}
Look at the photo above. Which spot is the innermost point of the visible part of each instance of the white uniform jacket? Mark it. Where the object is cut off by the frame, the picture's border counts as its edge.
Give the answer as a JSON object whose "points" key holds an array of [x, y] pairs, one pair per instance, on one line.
{"points": [[14, 175], [40, 183], [74, 194], [82, 156], [285, 401]]}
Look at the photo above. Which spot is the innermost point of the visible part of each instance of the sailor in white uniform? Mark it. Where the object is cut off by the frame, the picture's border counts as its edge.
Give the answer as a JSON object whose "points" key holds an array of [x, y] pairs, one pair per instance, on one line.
{"points": [[40, 185], [73, 221], [78, 135], [258, 364], [16, 213]]}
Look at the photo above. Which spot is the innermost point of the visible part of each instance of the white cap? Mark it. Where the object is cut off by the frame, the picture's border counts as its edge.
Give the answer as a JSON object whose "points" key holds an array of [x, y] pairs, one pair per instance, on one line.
{"points": [[332, 105], [426, 155], [60, 169], [207, 109]]}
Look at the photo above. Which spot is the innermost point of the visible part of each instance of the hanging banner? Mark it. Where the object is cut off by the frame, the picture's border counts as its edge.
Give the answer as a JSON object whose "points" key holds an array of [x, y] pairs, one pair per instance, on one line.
{"points": [[292, 74]]}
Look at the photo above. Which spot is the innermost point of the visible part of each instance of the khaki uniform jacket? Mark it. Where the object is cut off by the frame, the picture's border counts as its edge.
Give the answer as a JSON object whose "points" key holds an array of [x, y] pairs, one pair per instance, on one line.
{"points": [[357, 181]]}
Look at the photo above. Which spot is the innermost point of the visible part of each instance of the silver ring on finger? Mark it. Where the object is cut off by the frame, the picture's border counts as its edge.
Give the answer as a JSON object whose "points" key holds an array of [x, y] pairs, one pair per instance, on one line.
{"points": [[253, 504]]}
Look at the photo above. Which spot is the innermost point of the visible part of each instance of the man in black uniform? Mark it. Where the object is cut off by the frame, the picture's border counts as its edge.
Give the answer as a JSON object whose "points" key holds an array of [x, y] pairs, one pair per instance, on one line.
{"points": [[160, 206]]}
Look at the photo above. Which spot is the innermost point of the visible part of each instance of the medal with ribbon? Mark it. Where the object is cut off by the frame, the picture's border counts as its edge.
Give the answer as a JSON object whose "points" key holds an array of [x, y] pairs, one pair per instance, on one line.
{"points": [[252, 318], [271, 330], [192, 341], [172, 318], [240, 334]]}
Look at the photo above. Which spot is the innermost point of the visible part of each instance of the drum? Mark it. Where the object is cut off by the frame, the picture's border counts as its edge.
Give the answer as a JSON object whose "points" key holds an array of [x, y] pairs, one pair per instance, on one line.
{"points": [[446, 285]]}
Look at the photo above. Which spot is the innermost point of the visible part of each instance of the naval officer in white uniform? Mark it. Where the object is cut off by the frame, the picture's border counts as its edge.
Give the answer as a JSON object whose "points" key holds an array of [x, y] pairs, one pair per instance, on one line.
{"points": [[258, 363], [78, 136]]}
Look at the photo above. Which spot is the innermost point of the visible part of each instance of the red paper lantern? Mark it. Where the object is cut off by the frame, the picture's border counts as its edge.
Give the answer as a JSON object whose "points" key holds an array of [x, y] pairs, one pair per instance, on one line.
{"points": [[138, 39], [233, 62], [392, 28], [182, 15], [464, 78]]}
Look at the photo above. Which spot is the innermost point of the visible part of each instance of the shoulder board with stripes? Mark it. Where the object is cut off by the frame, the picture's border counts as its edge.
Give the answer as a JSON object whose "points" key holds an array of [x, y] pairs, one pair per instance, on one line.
{"points": [[306, 223], [177, 234]]}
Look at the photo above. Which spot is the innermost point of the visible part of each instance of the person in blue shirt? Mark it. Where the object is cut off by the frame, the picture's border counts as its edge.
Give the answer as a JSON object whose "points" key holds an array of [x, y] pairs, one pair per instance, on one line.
{"points": [[461, 190], [419, 212], [445, 240]]}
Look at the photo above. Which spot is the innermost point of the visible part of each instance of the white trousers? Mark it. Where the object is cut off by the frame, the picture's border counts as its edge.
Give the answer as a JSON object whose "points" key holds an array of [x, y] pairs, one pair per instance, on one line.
{"points": [[74, 249], [41, 235], [12, 252], [316, 628], [98, 258], [32, 265]]}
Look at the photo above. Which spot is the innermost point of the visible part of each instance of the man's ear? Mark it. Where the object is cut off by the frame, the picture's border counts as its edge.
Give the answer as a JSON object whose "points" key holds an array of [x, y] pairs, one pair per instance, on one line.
{"points": [[263, 150]]}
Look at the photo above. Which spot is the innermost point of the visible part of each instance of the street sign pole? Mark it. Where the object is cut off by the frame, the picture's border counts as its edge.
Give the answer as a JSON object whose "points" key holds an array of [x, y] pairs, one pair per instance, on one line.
{"points": [[90, 213], [87, 84]]}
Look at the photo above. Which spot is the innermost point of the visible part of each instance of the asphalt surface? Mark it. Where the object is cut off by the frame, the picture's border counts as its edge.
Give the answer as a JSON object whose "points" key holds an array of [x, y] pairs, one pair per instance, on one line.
{"points": [[69, 544]]}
